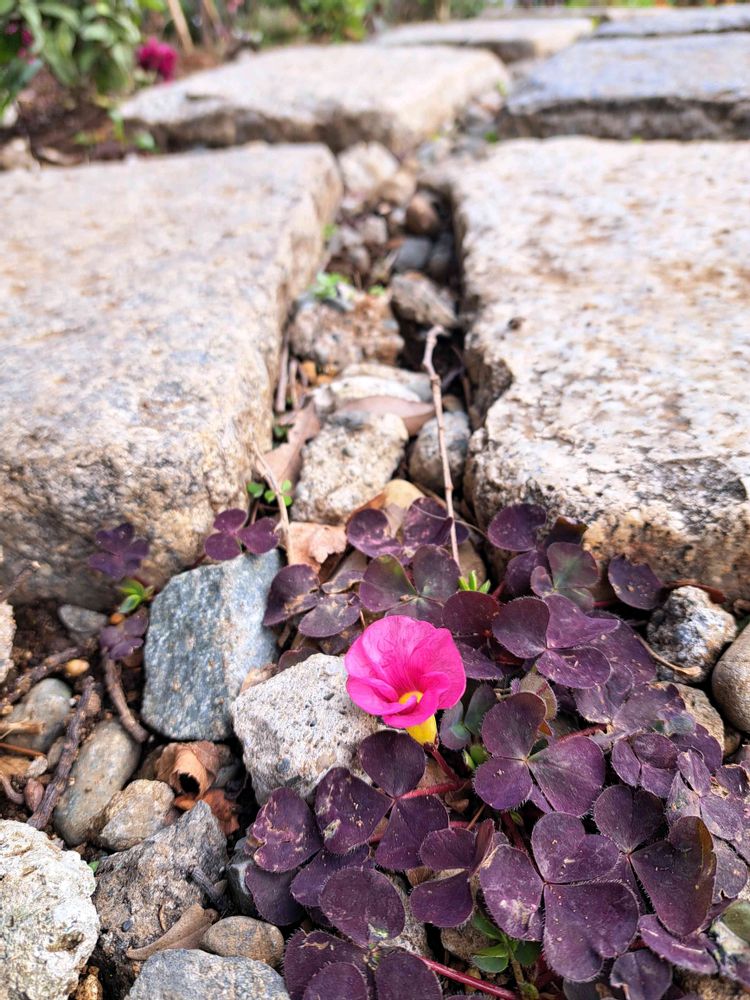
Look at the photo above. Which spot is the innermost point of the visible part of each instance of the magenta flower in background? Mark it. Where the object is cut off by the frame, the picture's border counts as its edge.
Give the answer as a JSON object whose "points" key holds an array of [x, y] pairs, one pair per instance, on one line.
{"points": [[158, 57], [405, 670]]}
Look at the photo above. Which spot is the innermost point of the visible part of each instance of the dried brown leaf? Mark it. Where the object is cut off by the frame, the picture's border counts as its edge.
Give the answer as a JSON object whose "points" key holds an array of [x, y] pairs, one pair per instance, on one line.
{"points": [[224, 809], [286, 461], [414, 415], [314, 543], [190, 768], [186, 933]]}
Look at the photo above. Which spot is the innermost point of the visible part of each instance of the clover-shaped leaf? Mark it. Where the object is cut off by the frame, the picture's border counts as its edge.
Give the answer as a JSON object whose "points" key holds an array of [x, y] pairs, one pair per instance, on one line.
{"points": [[635, 583], [286, 830], [572, 573], [119, 641], [363, 905], [448, 902], [386, 586], [642, 975], [693, 793], [337, 981], [689, 951], [231, 533], [309, 881], [308, 954], [515, 528], [121, 552], [400, 975]]}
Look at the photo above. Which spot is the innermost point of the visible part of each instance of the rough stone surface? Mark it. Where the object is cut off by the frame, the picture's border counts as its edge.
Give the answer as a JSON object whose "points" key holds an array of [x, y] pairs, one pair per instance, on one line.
{"points": [[425, 462], [730, 682], [47, 704], [137, 812], [48, 925], [416, 382], [705, 20], [418, 299], [142, 892], [611, 293], [298, 725], [511, 40], [361, 93], [7, 632], [194, 975], [686, 87], [245, 938], [81, 623], [365, 168], [690, 631], [105, 762], [348, 463], [133, 319], [335, 338], [205, 635]]}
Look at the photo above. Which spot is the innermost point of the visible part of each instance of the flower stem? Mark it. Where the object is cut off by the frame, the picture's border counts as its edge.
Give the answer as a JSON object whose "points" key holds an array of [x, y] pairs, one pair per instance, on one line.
{"points": [[477, 984], [442, 762]]}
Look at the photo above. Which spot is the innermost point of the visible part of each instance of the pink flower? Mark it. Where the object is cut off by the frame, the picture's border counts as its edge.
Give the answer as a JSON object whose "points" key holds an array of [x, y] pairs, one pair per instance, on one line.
{"points": [[404, 670], [158, 57]]}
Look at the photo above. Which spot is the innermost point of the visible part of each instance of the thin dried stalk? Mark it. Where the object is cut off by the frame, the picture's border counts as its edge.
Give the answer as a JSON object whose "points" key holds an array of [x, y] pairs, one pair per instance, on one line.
{"points": [[270, 477], [48, 666], [113, 682], [437, 399], [180, 25], [88, 705], [281, 387]]}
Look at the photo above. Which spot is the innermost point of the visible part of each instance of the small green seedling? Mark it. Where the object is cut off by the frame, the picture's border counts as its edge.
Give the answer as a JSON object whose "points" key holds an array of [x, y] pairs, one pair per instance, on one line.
{"points": [[135, 594], [471, 582], [258, 491]]}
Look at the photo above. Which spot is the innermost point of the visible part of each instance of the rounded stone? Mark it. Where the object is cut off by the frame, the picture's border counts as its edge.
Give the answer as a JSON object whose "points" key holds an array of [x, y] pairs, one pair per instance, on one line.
{"points": [[47, 704], [48, 924], [107, 759], [690, 631], [245, 938], [425, 463], [730, 683], [422, 218], [81, 623], [138, 811], [196, 975]]}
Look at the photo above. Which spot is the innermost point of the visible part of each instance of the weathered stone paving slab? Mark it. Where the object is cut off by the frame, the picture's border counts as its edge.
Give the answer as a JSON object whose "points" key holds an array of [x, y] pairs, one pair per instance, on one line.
{"points": [[338, 95], [697, 21], [140, 318], [689, 87], [511, 39], [613, 286]]}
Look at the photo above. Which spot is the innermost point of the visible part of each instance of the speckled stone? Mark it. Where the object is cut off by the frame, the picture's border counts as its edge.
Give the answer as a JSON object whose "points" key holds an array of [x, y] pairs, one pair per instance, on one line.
{"points": [[7, 631], [511, 40], [141, 323], [697, 21], [205, 635], [298, 725], [690, 631], [730, 682], [245, 938], [610, 343], [194, 975], [135, 813], [47, 704], [425, 461], [683, 87], [105, 762], [361, 93]]}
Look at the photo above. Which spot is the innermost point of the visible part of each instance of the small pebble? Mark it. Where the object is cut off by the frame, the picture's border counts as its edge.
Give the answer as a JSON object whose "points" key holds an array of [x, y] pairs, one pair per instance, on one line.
{"points": [[730, 683], [690, 631], [245, 938], [75, 668], [47, 705]]}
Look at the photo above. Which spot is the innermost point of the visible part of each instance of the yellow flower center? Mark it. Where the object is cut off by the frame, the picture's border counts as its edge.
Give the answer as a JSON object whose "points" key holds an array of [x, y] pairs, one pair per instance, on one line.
{"points": [[425, 732]]}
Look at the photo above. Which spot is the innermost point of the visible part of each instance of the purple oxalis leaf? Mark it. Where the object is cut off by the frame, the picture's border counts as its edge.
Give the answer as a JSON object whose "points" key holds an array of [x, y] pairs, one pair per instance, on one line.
{"points": [[393, 760], [308, 883], [385, 585], [647, 759], [521, 626], [400, 975], [286, 830], [293, 590], [515, 528], [572, 572], [512, 891], [347, 810], [272, 896], [121, 553], [570, 773], [628, 816], [363, 905], [427, 523], [642, 975], [635, 583], [468, 614], [307, 954], [689, 951], [337, 981], [230, 533], [569, 626], [333, 614], [411, 820], [369, 531], [121, 640], [565, 853], [448, 902]]}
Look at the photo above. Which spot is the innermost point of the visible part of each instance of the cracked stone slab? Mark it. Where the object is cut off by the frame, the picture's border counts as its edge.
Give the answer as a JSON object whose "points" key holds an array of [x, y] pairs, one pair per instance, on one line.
{"points": [[611, 342], [685, 21], [684, 87], [510, 39], [339, 96], [141, 319]]}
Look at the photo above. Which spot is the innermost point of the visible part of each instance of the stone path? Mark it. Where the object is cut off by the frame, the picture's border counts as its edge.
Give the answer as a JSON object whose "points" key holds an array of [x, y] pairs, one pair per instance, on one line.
{"points": [[512, 39], [687, 87], [141, 318], [612, 287], [709, 20], [340, 96]]}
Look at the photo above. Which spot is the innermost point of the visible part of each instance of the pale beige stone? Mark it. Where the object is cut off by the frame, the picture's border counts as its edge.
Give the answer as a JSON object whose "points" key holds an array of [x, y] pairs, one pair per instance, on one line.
{"points": [[611, 344]]}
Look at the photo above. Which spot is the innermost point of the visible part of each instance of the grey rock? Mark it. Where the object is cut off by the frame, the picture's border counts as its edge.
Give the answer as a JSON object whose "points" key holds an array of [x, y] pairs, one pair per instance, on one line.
{"points": [[47, 704], [417, 383], [611, 379], [365, 168], [235, 873], [105, 762], [730, 683], [48, 924], [346, 465], [512, 39], [442, 260], [413, 254], [399, 188], [690, 631], [245, 938], [184, 974], [142, 892], [205, 635], [137, 812], [425, 463], [7, 632], [711, 20], [138, 407], [418, 299], [686, 87], [335, 338], [363, 94], [298, 725], [81, 623]]}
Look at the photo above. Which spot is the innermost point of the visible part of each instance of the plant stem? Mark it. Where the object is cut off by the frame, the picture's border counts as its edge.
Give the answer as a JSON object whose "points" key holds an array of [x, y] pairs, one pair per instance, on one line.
{"points": [[447, 786], [437, 399], [477, 984], [113, 681], [443, 763]]}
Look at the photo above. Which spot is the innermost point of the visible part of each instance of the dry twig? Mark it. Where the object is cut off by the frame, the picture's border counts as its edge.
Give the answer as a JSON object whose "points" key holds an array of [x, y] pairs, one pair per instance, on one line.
{"points": [[88, 705], [437, 398], [270, 477], [49, 665], [113, 682], [180, 25]]}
